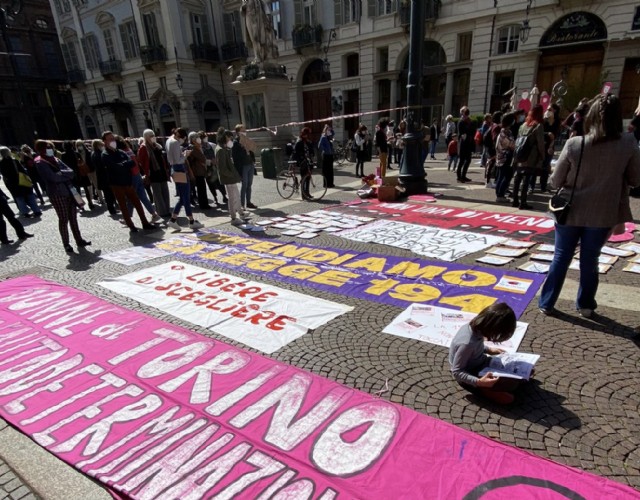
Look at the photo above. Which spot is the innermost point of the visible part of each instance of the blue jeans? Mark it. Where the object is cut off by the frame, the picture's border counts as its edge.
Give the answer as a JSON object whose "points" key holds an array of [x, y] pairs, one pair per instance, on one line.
{"points": [[247, 181], [432, 149], [503, 179], [24, 202], [184, 192], [138, 187], [591, 239]]}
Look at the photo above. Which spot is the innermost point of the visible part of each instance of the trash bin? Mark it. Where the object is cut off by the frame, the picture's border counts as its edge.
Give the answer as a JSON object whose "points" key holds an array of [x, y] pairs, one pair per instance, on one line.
{"points": [[268, 163]]}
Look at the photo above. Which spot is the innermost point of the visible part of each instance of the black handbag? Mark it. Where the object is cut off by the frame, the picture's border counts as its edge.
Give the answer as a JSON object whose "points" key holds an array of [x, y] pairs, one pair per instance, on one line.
{"points": [[560, 203]]}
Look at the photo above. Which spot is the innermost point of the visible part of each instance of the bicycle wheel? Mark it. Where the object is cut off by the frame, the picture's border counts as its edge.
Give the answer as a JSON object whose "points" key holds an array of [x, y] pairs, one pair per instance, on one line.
{"points": [[286, 183], [317, 185], [340, 156]]}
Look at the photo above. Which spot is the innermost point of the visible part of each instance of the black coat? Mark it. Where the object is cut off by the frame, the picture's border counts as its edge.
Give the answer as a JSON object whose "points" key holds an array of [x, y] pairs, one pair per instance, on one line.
{"points": [[9, 170]]}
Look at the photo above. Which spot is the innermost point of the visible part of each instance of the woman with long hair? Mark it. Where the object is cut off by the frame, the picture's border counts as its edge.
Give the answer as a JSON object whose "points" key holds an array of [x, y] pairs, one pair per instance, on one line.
{"points": [[534, 128], [609, 163], [360, 140]]}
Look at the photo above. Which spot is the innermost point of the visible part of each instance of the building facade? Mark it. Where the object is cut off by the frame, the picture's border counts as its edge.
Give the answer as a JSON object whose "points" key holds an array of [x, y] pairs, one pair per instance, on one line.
{"points": [[161, 63], [35, 101]]}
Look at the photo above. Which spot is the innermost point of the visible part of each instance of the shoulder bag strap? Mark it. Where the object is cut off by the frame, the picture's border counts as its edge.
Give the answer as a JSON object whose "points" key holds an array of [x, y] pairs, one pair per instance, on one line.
{"points": [[575, 179]]}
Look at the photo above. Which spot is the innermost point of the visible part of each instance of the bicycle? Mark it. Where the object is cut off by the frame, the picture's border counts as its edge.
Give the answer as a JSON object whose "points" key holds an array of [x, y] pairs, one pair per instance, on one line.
{"points": [[287, 183], [342, 153]]}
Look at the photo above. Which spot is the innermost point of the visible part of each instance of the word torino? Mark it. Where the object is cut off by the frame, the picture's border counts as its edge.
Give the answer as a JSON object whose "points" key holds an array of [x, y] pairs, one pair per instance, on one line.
{"points": [[162, 413]]}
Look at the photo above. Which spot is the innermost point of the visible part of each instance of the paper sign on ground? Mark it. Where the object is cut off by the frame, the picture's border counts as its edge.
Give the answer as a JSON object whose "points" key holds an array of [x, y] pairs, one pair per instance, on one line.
{"points": [[602, 268], [444, 244], [546, 257], [152, 410], [546, 248], [437, 325], [261, 316], [632, 268], [518, 243], [494, 260], [535, 267], [507, 251], [618, 252], [634, 247], [135, 255]]}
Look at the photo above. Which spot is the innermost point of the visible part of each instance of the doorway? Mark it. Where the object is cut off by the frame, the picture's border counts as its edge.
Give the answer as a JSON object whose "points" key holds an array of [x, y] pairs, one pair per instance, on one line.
{"points": [[316, 104]]}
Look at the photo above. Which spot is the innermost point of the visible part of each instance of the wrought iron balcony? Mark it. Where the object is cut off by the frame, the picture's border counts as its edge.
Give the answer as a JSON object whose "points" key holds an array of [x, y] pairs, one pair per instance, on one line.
{"points": [[233, 51], [153, 54], [110, 68], [205, 53], [306, 35], [76, 76]]}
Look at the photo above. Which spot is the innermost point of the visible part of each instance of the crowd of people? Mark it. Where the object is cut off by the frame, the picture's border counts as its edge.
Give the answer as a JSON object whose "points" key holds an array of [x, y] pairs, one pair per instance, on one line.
{"points": [[119, 175]]}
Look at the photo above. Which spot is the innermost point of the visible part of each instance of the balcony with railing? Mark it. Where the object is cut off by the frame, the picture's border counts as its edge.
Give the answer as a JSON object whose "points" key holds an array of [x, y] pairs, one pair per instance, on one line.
{"points": [[76, 76], [205, 53], [234, 51], [111, 69], [305, 35], [152, 55]]}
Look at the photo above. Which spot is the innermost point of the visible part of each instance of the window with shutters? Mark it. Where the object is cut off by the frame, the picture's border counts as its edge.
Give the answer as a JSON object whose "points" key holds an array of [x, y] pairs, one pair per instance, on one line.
{"points": [[109, 45], [91, 51], [351, 9], [58, 6], [232, 27], [151, 33], [101, 97], [204, 80], [276, 19], [353, 64], [50, 53], [508, 39], [130, 43], [464, 46], [23, 61], [120, 91], [309, 12], [163, 82], [199, 29], [380, 7], [66, 6], [383, 59], [70, 55]]}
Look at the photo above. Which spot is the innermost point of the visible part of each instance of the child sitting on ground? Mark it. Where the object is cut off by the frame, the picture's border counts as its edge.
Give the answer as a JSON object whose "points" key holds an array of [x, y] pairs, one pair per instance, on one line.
{"points": [[468, 354], [452, 152]]}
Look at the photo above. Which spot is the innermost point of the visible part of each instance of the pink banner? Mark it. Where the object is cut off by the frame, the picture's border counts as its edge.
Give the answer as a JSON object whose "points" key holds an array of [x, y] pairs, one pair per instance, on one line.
{"points": [[517, 226], [154, 411]]}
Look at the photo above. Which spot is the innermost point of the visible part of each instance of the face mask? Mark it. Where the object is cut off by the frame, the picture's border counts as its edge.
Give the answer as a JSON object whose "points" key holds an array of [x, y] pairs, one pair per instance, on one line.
{"points": [[80, 148], [181, 140], [206, 139], [198, 141], [113, 145], [153, 140], [229, 144], [49, 152], [103, 149]]}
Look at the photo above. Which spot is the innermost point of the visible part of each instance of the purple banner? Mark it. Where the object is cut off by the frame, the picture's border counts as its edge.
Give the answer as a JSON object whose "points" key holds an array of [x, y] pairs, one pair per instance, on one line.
{"points": [[397, 281]]}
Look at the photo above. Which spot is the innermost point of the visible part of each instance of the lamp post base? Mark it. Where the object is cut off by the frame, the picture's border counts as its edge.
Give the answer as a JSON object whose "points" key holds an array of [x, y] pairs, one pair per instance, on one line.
{"points": [[413, 184]]}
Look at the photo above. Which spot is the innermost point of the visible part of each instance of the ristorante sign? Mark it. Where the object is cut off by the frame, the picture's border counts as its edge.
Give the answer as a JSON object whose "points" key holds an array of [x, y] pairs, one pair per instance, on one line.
{"points": [[574, 28]]}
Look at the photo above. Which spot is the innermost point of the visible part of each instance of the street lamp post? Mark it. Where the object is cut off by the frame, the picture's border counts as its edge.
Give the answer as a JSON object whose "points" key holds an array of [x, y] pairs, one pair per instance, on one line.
{"points": [[412, 175]]}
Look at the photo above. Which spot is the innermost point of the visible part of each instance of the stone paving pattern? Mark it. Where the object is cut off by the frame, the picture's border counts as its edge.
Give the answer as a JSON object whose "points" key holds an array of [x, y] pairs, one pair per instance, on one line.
{"points": [[582, 410]]}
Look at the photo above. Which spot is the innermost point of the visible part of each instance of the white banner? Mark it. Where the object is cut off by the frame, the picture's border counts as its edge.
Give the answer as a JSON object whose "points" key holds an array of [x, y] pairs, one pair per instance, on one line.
{"points": [[261, 316], [437, 325], [444, 244]]}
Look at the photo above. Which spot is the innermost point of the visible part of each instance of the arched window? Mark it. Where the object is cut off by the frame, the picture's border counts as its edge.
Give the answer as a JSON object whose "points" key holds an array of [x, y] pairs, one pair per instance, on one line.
{"points": [[508, 39]]}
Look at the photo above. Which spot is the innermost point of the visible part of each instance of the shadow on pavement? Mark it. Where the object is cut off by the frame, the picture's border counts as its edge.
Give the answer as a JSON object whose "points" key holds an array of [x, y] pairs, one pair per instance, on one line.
{"points": [[83, 259], [535, 404], [602, 324]]}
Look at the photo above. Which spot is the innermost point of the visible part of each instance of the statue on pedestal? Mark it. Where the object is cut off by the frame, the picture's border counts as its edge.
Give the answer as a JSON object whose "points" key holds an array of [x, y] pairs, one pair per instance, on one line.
{"points": [[259, 30]]}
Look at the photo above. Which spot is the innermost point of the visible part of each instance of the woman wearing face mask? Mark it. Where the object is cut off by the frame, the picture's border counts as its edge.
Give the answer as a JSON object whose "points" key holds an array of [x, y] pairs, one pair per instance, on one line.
{"points": [[181, 174], [156, 171], [71, 158], [198, 164], [119, 167], [228, 174], [58, 177], [325, 146]]}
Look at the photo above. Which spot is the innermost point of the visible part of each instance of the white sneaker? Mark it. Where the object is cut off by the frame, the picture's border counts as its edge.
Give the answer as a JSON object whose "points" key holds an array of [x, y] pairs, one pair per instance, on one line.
{"points": [[174, 225], [156, 218], [196, 225], [490, 185], [236, 222]]}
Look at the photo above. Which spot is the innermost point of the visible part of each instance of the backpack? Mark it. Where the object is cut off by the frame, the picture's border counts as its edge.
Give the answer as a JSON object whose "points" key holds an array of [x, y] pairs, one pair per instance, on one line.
{"points": [[488, 140], [524, 145], [478, 137]]}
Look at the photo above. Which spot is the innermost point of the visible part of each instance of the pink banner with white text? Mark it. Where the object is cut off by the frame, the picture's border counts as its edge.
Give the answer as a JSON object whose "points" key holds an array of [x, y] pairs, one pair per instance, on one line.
{"points": [[154, 411]]}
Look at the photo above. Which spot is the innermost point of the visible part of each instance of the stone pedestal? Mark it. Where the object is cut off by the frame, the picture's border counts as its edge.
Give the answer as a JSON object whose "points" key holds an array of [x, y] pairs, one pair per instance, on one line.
{"points": [[264, 101]]}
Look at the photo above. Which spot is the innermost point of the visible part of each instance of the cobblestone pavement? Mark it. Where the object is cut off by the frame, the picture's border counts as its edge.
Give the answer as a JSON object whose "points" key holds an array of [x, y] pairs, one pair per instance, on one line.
{"points": [[583, 410]]}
